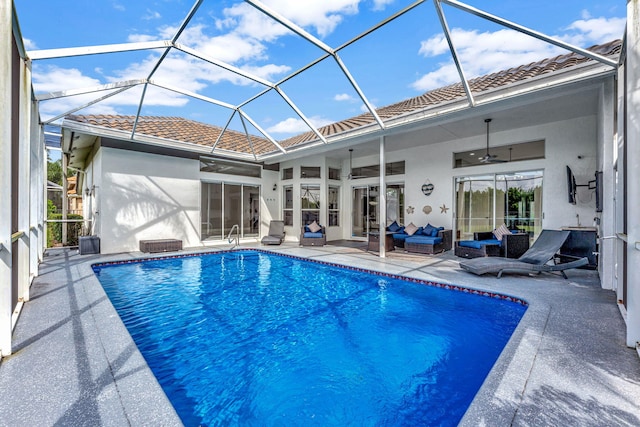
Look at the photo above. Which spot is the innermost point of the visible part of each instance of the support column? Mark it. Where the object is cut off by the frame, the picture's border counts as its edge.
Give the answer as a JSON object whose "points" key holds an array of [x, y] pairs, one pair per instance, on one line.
{"points": [[382, 197], [24, 186], [6, 36], [35, 191], [65, 199], [607, 143], [633, 177]]}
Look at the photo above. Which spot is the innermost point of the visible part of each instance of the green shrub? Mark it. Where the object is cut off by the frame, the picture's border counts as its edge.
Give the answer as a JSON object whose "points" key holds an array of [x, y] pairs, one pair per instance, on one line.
{"points": [[51, 208], [54, 230]]}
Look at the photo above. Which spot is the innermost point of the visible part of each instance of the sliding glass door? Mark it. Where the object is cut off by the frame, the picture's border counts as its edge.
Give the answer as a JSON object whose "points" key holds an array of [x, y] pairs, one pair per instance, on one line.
{"points": [[366, 212], [484, 202], [224, 205]]}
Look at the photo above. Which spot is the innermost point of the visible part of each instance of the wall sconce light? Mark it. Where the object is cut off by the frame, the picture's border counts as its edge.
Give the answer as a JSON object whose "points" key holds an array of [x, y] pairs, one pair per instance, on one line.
{"points": [[275, 187]]}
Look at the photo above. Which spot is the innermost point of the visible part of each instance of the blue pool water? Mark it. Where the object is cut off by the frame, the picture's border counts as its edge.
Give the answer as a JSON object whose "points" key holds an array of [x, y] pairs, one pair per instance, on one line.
{"points": [[252, 338]]}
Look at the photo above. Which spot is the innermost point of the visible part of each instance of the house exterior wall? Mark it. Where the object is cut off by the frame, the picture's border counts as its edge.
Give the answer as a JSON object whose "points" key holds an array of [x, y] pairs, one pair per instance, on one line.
{"points": [[570, 142], [138, 196], [145, 196]]}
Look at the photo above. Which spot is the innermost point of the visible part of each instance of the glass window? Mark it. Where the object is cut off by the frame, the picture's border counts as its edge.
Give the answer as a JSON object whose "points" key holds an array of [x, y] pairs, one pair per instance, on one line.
{"points": [[395, 203], [334, 174], [310, 203], [485, 202], [211, 211], [394, 168], [287, 173], [224, 205], [310, 172], [333, 206], [229, 168], [502, 154], [372, 171], [251, 211], [287, 211]]}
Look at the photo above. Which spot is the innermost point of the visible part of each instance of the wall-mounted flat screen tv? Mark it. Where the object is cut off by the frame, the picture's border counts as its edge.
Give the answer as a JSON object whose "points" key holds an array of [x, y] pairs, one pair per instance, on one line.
{"points": [[598, 191], [571, 186]]}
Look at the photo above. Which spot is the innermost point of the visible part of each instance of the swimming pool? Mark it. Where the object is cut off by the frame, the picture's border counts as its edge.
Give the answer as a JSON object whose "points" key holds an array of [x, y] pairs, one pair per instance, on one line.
{"points": [[253, 338]]}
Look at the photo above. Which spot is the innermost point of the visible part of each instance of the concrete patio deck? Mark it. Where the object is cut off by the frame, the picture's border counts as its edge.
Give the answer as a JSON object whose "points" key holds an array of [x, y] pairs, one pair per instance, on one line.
{"points": [[74, 362]]}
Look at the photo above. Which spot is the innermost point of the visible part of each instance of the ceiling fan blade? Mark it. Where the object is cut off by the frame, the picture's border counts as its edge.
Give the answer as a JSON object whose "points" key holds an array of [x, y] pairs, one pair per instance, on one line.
{"points": [[491, 159]]}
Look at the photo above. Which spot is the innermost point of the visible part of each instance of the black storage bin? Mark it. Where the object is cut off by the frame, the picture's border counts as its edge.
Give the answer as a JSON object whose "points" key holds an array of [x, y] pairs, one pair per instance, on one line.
{"points": [[89, 245]]}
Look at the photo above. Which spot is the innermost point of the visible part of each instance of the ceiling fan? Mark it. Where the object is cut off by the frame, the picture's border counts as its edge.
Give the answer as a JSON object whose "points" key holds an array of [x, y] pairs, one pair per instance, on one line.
{"points": [[488, 158], [351, 175]]}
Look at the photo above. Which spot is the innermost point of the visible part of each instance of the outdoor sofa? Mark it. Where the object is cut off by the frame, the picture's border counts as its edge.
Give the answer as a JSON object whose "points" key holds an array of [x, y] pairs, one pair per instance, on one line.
{"points": [[425, 240], [486, 244]]}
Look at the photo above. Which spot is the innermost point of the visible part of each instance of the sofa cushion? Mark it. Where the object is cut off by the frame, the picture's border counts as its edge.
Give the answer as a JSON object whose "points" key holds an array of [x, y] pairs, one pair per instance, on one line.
{"points": [[314, 227], [310, 234], [478, 244], [423, 240], [400, 236], [501, 231], [411, 229], [394, 227]]}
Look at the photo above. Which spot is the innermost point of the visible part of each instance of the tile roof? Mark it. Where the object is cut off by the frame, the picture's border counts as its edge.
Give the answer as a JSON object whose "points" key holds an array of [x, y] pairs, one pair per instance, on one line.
{"points": [[456, 91], [184, 130], [179, 129]]}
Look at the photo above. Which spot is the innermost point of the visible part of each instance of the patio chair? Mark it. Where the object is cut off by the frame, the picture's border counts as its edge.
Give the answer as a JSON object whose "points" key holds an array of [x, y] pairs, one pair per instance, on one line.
{"points": [[535, 260], [314, 236], [275, 235]]}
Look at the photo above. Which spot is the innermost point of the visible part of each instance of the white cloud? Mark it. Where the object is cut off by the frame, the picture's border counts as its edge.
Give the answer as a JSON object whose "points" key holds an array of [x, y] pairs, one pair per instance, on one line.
{"points": [[268, 72], [343, 97], [324, 16], [151, 14], [381, 4], [364, 109], [29, 44], [321, 16], [53, 79], [137, 38], [483, 53], [296, 125], [596, 30]]}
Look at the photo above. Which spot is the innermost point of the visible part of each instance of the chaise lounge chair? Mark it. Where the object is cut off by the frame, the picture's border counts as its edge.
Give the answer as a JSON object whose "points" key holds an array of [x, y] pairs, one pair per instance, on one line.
{"points": [[276, 233], [535, 260]]}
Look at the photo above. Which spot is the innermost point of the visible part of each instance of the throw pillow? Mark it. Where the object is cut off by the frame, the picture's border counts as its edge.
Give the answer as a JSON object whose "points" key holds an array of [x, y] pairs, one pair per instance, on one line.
{"points": [[501, 231], [394, 227], [410, 229], [314, 227], [430, 230]]}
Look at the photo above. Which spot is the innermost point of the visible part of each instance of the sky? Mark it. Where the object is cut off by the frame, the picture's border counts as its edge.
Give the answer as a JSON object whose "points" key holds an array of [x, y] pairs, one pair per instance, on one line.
{"points": [[404, 58]]}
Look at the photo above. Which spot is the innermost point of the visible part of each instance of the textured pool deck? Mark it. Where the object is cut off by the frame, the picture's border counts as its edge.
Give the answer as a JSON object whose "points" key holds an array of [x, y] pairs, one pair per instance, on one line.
{"points": [[74, 363]]}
